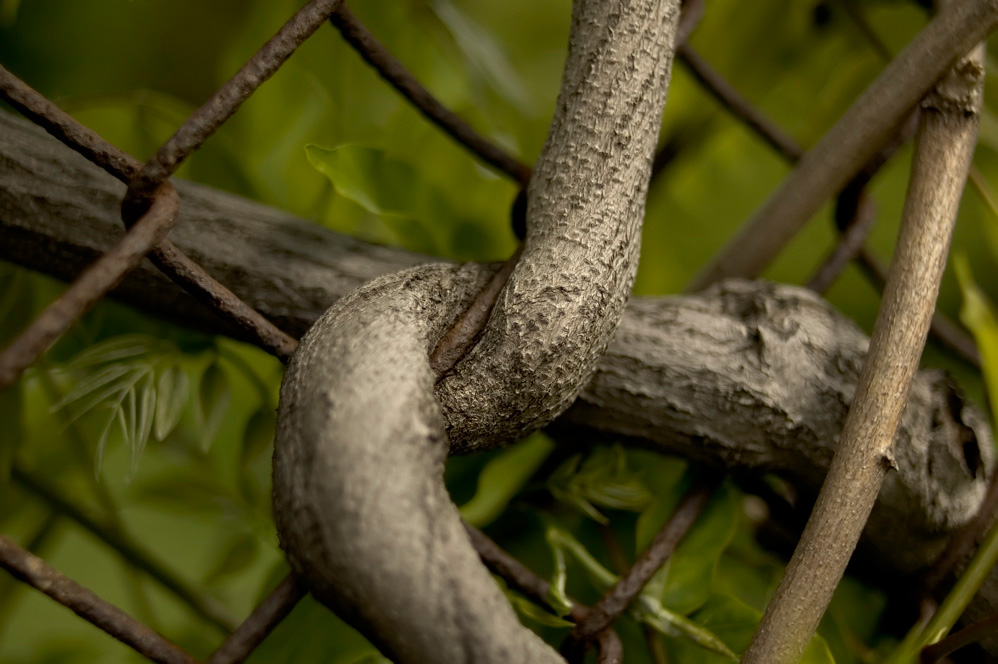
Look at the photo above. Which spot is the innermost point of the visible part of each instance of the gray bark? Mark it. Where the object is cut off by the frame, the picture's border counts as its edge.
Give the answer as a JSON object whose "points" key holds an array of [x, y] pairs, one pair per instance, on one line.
{"points": [[359, 500], [752, 376]]}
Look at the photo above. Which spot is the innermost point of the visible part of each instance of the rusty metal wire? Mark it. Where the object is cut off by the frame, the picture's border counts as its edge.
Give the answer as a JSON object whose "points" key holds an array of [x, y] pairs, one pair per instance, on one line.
{"points": [[395, 73], [618, 598], [106, 273], [166, 256], [37, 573], [226, 101], [268, 615], [719, 87]]}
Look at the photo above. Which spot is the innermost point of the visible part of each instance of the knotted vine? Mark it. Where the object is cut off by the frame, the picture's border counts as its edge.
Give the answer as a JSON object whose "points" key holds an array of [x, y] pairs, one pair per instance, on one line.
{"points": [[364, 422]]}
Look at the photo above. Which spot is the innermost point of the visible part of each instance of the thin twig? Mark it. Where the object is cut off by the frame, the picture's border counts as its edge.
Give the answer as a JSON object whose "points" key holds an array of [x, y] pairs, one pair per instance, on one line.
{"points": [[944, 148], [858, 18], [167, 257], [855, 211], [37, 573], [689, 19], [35, 544], [730, 98], [623, 593], [395, 73], [271, 611], [854, 139], [209, 609], [969, 634], [225, 102]]}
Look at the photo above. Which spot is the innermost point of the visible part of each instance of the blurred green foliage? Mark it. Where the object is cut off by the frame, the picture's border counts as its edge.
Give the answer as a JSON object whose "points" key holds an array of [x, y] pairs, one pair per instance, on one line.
{"points": [[165, 434]]}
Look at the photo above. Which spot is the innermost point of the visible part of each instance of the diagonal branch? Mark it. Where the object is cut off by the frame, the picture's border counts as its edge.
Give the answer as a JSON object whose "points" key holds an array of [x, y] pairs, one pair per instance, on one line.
{"points": [[728, 96], [35, 572], [854, 139], [944, 148]]}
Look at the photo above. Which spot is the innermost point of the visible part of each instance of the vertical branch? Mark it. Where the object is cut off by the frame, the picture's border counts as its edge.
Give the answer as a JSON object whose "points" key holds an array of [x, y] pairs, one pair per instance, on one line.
{"points": [[944, 146]]}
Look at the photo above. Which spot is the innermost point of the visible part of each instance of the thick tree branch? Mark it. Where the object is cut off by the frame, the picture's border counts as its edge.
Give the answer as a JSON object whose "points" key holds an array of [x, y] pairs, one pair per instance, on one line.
{"points": [[854, 139], [944, 147], [669, 379], [360, 394], [170, 260]]}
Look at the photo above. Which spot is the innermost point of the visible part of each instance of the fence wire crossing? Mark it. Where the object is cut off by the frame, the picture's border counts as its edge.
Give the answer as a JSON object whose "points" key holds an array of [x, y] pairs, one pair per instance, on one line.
{"points": [[149, 210]]}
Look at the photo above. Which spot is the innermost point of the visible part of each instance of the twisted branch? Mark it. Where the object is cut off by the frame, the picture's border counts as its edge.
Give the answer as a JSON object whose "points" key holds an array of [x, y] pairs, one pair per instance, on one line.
{"points": [[358, 398]]}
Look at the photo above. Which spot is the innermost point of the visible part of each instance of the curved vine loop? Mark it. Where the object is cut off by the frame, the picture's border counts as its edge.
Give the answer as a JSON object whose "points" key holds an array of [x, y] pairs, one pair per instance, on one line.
{"points": [[364, 424]]}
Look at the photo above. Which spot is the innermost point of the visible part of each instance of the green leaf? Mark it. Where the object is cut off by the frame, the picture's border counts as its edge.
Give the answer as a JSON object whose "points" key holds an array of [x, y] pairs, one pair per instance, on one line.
{"points": [[391, 189], [108, 376], [238, 555], [978, 314], [172, 390], [734, 623], [214, 395], [557, 597], [484, 52], [116, 349], [503, 477], [146, 414], [669, 623], [528, 609], [603, 479], [646, 607], [258, 435], [689, 573], [116, 414]]}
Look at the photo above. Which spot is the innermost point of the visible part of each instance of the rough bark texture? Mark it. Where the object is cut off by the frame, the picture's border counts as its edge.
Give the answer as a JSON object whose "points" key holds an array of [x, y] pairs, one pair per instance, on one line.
{"points": [[359, 500], [752, 375]]}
